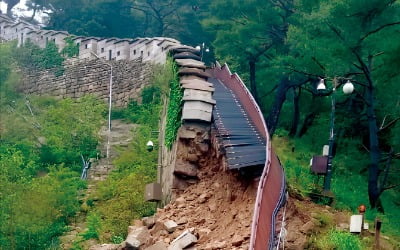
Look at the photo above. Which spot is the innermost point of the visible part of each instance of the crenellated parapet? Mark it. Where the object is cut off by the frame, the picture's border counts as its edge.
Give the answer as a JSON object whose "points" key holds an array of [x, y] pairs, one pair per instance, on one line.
{"points": [[146, 49]]}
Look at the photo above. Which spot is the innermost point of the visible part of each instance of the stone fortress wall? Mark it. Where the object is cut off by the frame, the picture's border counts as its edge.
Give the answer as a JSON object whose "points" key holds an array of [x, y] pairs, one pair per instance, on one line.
{"points": [[89, 72], [83, 77], [146, 49]]}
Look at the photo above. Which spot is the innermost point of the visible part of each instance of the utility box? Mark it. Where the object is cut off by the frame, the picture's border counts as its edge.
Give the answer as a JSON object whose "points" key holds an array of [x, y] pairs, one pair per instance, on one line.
{"points": [[153, 192], [319, 165], [356, 222]]}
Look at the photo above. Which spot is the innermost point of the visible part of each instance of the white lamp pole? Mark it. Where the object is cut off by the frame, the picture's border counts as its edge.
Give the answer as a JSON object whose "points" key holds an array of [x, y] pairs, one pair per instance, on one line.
{"points": [[201, 48], [348, 88], [109, 103]]}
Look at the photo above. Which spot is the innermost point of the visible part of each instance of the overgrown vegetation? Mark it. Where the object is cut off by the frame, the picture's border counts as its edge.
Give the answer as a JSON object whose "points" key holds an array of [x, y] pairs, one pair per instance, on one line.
{"points": [[347, 184], [41, 140], [120, 198], [71, 49], [31, 56], [174, 110], [142, 113], [339, 240], [93, 226]]}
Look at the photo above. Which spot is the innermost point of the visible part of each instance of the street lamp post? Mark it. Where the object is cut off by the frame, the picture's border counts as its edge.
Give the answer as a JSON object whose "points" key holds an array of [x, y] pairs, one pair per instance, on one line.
{"points": [[109, 103], [202, 48], [347, 89]]}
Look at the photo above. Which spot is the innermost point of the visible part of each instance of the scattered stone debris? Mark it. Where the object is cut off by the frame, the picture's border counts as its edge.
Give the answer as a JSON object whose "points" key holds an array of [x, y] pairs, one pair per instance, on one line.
{"points": [[137, 236], [182, 241], [149, 221], [106, 247], [213, 213], [170, 226]]}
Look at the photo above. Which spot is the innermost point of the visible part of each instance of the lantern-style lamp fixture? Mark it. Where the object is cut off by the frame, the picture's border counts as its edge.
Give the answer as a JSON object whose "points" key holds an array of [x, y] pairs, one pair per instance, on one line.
{"points": [[150, 146], [321, 85], [348, 88]]}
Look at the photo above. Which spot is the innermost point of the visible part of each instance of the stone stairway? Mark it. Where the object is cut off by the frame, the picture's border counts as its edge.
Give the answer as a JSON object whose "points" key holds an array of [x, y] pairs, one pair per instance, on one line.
{"points": [[120, 136]]}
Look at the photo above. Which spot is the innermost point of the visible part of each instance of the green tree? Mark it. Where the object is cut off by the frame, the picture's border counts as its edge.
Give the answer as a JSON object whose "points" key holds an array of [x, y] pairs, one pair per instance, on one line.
{"points": [[103, 18], [247, 32], [10, 6], [353, 31]]}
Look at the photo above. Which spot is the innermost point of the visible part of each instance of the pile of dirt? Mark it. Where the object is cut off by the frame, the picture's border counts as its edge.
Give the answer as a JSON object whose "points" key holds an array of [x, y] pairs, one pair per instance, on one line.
{"points": [[218, 209]]}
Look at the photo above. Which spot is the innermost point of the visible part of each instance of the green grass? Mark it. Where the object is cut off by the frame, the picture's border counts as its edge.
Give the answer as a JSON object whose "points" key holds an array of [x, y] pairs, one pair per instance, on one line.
{"points": [[339, 240], [349, 182]]}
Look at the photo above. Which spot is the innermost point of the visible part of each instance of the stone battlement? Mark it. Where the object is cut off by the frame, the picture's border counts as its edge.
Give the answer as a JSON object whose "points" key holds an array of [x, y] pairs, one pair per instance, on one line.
{"points": [[146, 49]]}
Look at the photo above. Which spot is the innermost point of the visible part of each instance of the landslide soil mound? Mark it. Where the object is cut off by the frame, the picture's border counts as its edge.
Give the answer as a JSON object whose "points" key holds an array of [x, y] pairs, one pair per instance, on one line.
{"points": [[219, 208]]}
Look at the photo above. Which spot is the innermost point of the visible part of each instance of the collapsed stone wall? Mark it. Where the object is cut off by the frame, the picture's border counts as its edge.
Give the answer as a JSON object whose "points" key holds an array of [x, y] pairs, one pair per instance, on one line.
{"points": [[83, 77]]}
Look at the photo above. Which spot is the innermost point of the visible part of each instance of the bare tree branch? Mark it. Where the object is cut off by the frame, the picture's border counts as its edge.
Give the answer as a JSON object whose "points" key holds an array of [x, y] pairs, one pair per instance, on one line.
{"points": [[378, 29], [390, 187], [357, 66], [391, 123], [387, 169], [366, 149], [303, 72], [269, 92], [318, 63]]}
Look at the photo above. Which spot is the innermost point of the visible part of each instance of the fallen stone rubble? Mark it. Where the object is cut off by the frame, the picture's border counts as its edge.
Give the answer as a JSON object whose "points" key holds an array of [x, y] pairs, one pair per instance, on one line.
{"points": [[214, 213]]}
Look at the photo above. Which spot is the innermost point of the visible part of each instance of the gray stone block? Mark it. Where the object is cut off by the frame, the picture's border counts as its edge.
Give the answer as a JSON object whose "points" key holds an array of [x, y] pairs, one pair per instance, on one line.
{"points": [[137, 236], [182, 241], [170, 226]]}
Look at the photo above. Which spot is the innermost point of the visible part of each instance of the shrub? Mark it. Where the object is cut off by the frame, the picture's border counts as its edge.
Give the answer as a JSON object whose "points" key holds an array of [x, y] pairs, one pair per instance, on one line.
{"points": [[93, 227], [32, 56], [339, 240], [71, 49]]}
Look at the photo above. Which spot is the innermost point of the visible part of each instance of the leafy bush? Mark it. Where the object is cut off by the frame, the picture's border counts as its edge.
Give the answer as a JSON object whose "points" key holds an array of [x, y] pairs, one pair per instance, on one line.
{"points": [[35, 211], [93, 226], [32, 56], [71, 49], [151, 95], [116, 239], [340, 240], [39, 151]]}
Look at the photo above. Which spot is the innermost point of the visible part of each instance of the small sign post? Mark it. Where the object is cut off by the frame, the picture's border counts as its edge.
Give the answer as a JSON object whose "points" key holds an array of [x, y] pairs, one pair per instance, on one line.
{"points": [[378, 224]]}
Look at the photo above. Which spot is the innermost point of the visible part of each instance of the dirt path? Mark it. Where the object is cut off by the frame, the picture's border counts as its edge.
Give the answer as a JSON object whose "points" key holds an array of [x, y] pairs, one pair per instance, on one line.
{"points": [[120, 136]]}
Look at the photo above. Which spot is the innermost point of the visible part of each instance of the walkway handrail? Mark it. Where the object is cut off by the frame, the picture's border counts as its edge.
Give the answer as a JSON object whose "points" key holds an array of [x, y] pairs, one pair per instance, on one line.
{"points": [[271, 188]]}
